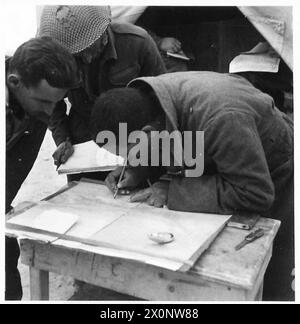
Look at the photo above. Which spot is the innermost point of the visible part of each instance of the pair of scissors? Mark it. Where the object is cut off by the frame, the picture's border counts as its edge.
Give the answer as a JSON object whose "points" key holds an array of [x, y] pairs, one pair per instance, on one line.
{"points": [[250, 238]]}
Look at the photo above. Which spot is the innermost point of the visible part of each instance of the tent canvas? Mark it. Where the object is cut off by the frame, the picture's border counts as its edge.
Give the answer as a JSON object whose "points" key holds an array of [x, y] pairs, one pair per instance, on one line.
{"points": [[273, 22]]}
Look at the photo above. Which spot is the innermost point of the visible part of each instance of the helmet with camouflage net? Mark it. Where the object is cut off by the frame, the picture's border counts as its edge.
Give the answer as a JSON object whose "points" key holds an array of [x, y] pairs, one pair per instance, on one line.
{"points": [[75, 27]]}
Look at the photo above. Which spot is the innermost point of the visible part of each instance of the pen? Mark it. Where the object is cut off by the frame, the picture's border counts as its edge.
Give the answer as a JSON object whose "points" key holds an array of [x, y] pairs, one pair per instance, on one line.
{"points": [[58, 165], [120, 178]]}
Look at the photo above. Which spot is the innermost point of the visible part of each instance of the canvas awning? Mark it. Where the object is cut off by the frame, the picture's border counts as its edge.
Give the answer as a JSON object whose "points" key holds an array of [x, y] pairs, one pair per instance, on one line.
{"points": [[273, 22], [276, 26]]}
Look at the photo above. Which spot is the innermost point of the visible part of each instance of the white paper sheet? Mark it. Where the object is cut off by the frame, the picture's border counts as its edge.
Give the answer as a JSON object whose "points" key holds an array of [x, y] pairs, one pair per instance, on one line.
{"points": [[89, 157], [55, 221], [122, 229], [51, 220]]}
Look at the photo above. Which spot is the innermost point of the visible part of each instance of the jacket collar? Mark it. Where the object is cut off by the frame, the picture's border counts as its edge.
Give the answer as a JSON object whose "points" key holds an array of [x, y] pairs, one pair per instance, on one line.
{"points": [[110, 50], [17, 122], [16, 118], [166, 102], [164, 98], [109, 53]]}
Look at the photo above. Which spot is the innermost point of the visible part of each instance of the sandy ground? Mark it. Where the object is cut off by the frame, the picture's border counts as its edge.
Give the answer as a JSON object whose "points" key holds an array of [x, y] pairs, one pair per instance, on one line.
{"points": [[42, 181]]}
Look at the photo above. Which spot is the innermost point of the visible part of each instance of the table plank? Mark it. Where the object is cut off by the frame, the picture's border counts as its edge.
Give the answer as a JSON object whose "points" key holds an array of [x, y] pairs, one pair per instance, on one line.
{"points": [[138, 280], [230, 281], [240, 268], [221, 273], [221, 263], [123, 227]]}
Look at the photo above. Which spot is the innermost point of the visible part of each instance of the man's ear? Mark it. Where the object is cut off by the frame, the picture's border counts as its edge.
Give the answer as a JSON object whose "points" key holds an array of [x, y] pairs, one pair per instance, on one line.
{"points": [[13, 81]]}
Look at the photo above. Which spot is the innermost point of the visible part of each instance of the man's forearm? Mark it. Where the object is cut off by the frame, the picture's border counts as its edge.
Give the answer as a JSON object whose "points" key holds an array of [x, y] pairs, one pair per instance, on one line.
{"points": [[59, 124], [60, 134], [215, 194]]}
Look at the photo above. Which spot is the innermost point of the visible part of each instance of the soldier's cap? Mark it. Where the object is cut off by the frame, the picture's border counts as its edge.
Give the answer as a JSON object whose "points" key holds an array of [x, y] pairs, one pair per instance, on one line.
{"points": [[75, 27], [262, 58]]}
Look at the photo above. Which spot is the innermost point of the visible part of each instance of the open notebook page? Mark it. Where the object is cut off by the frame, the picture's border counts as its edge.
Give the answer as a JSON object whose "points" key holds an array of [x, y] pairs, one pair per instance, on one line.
{"points": [[89, 157]]}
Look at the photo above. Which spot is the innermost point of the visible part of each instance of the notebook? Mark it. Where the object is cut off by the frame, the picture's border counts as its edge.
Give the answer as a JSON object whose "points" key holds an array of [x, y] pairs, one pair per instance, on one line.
{"points": [[89, 157]]}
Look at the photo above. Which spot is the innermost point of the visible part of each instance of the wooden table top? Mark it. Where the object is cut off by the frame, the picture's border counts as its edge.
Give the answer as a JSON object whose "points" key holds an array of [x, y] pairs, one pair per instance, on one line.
{"points": [[221, 263]]}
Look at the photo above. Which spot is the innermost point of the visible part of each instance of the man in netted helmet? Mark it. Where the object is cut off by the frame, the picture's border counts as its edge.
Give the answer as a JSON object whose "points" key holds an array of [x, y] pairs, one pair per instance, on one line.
{"points": [[109, 55]]}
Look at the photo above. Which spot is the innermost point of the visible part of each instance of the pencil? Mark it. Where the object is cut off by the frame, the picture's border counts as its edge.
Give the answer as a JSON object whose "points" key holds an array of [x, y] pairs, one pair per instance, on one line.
{"points": [[57, 167], [150, 185], [120, 178]]}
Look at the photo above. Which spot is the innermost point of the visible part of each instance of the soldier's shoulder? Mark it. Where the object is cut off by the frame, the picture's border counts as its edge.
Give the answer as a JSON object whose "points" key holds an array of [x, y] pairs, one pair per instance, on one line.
{"points": [[129, 29]]}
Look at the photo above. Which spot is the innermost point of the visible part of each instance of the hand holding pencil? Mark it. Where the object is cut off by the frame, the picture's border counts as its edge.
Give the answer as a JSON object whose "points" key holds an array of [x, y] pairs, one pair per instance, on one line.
{"points": [[120, 178], [124, 179]]}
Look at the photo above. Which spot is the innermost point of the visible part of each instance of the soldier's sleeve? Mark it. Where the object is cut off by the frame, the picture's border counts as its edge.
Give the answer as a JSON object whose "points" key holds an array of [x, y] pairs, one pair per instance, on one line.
{"points": [[243, 181], [151, 61], [59, 123]]}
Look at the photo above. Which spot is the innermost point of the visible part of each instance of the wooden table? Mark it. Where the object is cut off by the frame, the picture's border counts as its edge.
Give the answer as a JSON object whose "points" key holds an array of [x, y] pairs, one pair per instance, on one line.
{"points": [[220, 274]]}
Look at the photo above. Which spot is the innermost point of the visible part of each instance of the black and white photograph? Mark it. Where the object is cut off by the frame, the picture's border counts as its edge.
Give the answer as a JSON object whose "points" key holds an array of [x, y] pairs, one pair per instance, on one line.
{"points": [[149, 155]]}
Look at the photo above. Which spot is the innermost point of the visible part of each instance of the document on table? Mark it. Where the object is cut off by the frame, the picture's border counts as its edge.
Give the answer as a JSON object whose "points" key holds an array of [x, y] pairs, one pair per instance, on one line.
{"points": [[115, 227], [44, 218], [55, 221]]}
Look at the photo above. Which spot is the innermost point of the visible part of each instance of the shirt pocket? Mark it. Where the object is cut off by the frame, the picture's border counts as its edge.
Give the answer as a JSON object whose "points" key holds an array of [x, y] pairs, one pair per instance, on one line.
{"points": [[120, 77]]}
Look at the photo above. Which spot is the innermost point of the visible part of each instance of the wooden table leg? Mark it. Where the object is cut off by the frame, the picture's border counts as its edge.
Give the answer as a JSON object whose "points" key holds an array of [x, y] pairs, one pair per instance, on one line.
{"points": [[39, 284], [259, 295]]}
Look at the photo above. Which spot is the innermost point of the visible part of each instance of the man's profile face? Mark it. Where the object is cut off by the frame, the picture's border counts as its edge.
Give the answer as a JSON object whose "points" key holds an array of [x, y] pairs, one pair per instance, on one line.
{"points": [[39, 101]]}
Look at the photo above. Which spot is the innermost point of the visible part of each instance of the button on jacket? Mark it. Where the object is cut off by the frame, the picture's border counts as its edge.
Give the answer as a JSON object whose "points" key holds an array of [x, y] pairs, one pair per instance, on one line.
{"points": [[130, 53]]}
